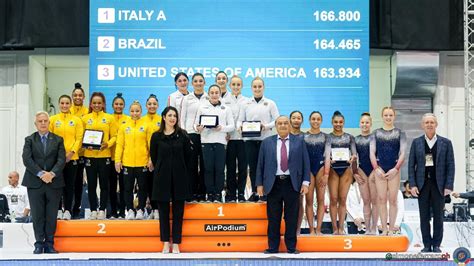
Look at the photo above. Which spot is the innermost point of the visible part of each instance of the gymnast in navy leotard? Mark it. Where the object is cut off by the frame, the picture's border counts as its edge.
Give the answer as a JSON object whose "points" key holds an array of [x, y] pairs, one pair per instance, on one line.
{"points": [[387, 153], [364, 177], [338, 173], [315, 143]]}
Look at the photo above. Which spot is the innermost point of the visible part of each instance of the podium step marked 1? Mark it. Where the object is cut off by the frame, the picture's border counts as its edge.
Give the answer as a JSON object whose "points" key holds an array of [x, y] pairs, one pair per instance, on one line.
{"points": [[208, 228]]}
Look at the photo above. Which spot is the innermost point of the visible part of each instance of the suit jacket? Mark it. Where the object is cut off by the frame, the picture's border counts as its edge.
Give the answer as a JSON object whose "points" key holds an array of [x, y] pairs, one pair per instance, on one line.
{"points": [[36, 160], [444, 163], [298, 163]]}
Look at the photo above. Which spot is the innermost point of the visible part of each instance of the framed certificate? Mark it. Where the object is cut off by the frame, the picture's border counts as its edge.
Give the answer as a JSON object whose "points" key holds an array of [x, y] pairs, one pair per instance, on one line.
{"points": [[251, 128], [340, 154], [209, 121], [92, 139]]}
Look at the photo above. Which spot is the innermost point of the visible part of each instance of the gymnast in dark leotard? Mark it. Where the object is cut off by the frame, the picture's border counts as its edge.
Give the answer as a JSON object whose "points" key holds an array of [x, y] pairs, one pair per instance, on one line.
{"points": [[365, 178], [387, 153], [315, 143], [338, 174]]}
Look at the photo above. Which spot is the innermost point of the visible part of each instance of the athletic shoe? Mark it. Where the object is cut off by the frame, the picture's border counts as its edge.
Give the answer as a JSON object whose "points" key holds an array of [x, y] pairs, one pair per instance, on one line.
{"points": [[93, 215], [130, 215], [253, 197], [60, 215], [139, 215], [241, 198], [156, 215], [230, 199], [218, 198], [67, 215], [210, 198], [101, 215]]}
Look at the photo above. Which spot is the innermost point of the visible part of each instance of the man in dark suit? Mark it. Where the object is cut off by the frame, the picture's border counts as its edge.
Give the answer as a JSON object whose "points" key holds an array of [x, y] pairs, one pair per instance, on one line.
{"points": [[431, 176], [44, 158], [282, 174]]}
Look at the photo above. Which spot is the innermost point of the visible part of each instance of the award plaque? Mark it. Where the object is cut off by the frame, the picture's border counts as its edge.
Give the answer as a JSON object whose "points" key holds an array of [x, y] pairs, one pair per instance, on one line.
{"points": [[251, 129], [92, 139], [209, 121], [340, 154]]}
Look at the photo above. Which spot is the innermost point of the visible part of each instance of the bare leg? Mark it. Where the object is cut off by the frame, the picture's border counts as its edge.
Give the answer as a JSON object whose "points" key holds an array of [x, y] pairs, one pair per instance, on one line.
{"points": [[365, 195], [309, 205], [320, 193], [333, 184], [393, 187], [345, 182], [375, 209], [381, 185], [300, 215]]}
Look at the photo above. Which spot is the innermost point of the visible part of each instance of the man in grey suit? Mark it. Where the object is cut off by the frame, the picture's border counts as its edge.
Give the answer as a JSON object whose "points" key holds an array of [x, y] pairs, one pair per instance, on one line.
{"points": [[44, 158], [282, 174], [431, 176]]}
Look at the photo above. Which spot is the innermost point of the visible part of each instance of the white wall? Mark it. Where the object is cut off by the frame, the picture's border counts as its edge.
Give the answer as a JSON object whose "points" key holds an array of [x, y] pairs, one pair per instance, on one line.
{"points": [[449, 108]]}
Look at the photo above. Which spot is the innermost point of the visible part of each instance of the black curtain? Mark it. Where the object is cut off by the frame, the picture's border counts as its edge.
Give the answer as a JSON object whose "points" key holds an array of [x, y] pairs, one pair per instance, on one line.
{"points": [[44, 23], [416, 24]]}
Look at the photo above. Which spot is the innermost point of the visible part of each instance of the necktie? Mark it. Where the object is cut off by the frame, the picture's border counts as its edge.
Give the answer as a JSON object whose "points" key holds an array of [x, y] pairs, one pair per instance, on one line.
{"points": [[43, 141], [284, 156]]}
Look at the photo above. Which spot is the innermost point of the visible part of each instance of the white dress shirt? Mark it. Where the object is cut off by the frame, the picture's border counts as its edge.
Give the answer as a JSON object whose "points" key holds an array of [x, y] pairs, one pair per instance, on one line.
{"points": [[431, 142], [279, 143]]}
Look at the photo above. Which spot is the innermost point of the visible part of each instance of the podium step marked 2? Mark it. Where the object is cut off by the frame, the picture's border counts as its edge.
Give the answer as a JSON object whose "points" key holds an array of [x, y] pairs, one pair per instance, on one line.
{"points": [[326, 243], [208, 227]]}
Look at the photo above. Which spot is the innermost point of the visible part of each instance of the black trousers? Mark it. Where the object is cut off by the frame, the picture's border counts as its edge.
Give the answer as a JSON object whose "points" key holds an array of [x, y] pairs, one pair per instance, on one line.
{"points": [[196, 166], [252, 148], [178, 213], [236, 153], [282, 197], [69, 174], [431, 199], [44, 203], [78, 184], [149, 190], [130, 174], [121, 202], [98, 168], [214, 165], [113, 181]]}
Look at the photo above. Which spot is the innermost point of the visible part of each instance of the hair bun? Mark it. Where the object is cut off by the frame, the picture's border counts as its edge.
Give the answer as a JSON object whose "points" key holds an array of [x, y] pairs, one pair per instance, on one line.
{"points": [[337, 112], [152, 95], [77, 85], [119, 94]]}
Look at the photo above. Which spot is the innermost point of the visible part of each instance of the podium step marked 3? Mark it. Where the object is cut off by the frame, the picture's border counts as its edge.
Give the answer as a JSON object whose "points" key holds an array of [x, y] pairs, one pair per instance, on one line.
{"points": [[325, 243]]}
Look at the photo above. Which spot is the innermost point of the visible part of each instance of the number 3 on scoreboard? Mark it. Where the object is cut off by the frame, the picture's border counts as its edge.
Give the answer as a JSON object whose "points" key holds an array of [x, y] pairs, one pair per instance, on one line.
{"points": [[347, 243], [101, 230]]}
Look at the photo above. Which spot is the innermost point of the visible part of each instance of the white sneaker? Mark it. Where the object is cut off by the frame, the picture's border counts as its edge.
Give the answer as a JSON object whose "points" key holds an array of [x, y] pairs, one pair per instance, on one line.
{"points": [[101, 215], [60, 215], [93, 215], [139, 215], [67, 215], [156, 215], [150, 216], [130, 215]]}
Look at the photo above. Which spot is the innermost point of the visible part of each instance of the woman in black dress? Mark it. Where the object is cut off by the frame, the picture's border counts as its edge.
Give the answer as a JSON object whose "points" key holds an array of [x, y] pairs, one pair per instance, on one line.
{"points": [[170, 148]]}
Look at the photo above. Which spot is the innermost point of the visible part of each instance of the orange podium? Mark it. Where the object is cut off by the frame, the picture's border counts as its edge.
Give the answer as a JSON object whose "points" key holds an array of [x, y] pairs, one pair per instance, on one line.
{"points": [[208, 227]]}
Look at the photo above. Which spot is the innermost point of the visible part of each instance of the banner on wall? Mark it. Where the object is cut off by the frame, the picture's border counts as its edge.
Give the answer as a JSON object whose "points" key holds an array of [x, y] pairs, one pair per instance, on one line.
{"points": [[312, 54]]}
